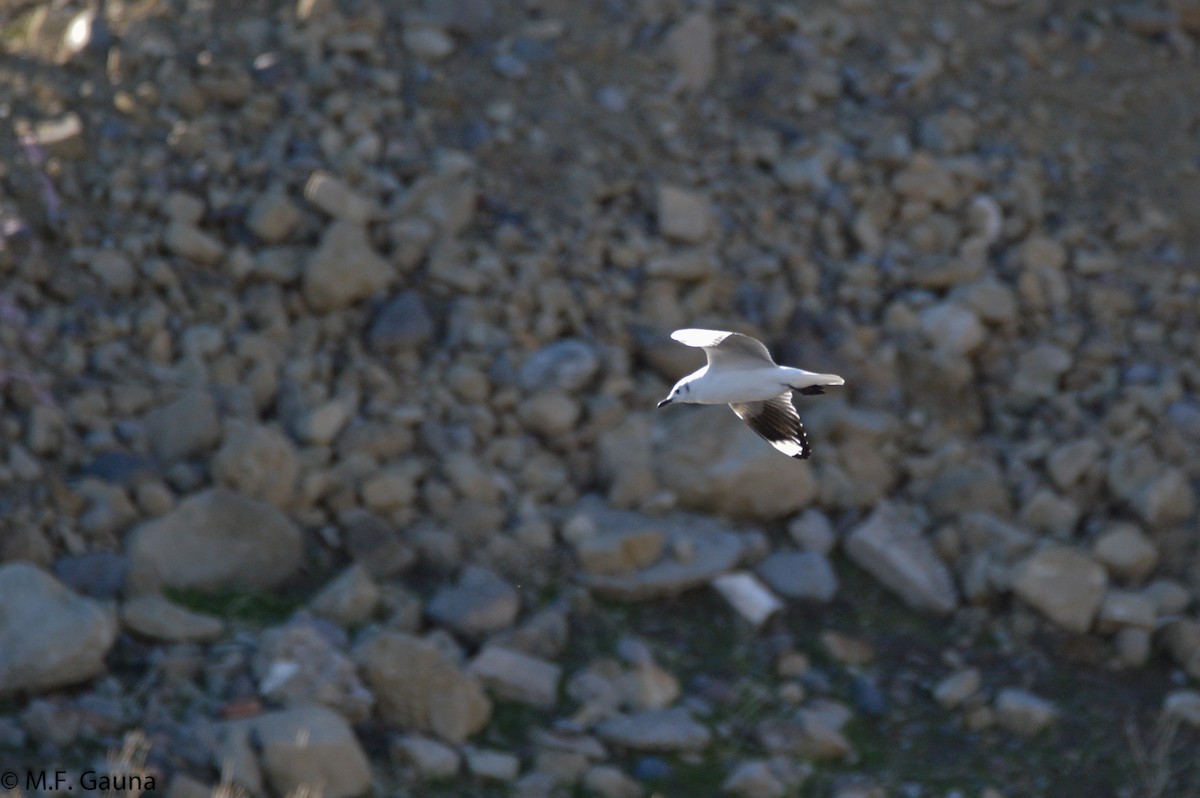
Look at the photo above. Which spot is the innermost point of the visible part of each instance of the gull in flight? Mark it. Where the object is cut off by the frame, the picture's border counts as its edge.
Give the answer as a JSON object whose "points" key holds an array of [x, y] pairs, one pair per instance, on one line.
{"points": [[741, 374]]}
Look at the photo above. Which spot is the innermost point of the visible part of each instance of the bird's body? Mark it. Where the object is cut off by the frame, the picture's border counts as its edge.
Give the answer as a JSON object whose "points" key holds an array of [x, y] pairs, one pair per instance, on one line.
{"points": [[741, 373]]}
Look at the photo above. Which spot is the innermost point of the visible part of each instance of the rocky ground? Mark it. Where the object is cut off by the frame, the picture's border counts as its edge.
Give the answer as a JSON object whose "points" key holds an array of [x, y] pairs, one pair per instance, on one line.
{"points": [[330, 338]]}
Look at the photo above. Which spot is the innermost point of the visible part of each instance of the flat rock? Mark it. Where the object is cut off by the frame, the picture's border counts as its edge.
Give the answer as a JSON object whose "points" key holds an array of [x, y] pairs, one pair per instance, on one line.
{"points": [[1063, 583], [420, 687], [800, 575], [620, 551], [697, 549], [813, 531], [216, 540], [656, 730], [344, 269], [889, 546], [306, 746], [517, 676], [154, 616], [479, 604], [50, 637]]}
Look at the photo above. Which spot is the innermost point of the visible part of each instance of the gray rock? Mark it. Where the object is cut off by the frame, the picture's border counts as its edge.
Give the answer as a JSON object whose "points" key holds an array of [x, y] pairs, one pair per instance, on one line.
{"points": [[956, 688], [970, 487], [273, 217], [802, 575], [1185, 705], [754, 779], [1039, 370], [185, 426], [891, 548], [609, 781], [403, 323], [348, 600], [813, 531], [1070, 461], [1171, 598], [1133, 646], [1126, 553], [153, 616], [683, 215], [656, 730], [479, 604], [191, 242], [715, 464], [337, 199], [1063, 583], [307, 746], [216, 540], [300, 663], [429, 758], [626, 462], [1023, 713], [99, 574], [344, 269], [1166, 500], [50, 637], [808, 735], [693, 47], [566, 365], [114, 270], [378, 546], [259, 462], [491, 764], [419, 686], [1124, 609], [517, 676]]}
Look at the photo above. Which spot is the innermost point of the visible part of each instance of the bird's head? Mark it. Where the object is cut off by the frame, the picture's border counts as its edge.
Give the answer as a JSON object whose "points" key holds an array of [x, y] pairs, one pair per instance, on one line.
{"points": [[677, 393]]}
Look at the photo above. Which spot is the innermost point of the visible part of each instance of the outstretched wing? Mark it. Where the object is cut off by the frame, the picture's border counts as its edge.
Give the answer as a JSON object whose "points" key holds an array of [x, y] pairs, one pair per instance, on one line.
{"points": [[777, 422], [726, 348]]}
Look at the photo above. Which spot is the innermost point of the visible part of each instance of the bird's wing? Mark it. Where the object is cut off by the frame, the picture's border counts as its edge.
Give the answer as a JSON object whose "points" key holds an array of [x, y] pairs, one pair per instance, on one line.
{"points": [[777, 422], [726, 348]]}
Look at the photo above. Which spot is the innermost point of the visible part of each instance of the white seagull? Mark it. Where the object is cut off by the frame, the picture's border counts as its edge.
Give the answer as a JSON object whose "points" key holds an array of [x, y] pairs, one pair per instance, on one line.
{"points": [[741, 374]]}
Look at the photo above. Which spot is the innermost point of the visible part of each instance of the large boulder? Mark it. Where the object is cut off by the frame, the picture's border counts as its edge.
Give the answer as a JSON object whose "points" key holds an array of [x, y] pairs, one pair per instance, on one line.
{"points": [[215, 540]]}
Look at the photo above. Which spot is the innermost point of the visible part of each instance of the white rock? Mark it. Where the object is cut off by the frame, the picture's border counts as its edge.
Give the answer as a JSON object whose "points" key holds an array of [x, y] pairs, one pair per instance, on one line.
{"points": [[431, 759], [748, 595], [1022, 712]]}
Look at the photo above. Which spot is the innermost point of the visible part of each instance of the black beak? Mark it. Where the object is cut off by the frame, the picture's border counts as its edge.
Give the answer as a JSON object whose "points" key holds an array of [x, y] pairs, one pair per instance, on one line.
{"points": [[665, 402]]}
